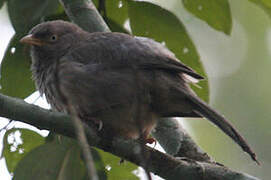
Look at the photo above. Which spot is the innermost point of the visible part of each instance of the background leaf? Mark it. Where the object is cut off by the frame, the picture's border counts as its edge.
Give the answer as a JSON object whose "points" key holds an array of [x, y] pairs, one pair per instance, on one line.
{"points": [[115, 170], [99, 164], [116, 10], [115, 27], [216, 13], [15, 67], [27, 13], [264, 4], [152, 21], [61, 160], [17, 143], [56, 160], [15, 70]]}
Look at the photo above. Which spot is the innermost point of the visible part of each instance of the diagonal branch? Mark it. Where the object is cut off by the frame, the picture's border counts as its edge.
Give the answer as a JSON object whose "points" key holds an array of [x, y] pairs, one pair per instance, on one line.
{"points": [[85, 15], [161, 164], [177, 142]]}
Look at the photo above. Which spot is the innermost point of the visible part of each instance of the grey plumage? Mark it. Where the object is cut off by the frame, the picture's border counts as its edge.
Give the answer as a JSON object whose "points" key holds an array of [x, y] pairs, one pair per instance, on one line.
{"points": [[106, 75]]}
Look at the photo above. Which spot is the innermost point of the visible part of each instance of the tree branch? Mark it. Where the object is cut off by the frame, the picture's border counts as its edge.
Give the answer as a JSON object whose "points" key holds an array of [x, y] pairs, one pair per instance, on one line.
{"points": [[161, 164], [84, 14], [176, 142]]}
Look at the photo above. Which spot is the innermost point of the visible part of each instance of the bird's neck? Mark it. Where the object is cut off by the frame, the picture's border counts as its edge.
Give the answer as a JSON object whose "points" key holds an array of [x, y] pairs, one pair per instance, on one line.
{"points": [[43, 68]]}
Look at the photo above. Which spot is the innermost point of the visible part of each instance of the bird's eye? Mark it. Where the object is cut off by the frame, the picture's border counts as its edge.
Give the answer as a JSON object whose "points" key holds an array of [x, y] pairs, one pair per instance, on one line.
{"points": [[53, 37]]}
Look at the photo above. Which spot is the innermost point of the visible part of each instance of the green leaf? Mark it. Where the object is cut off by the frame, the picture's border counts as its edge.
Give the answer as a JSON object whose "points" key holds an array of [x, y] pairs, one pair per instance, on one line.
{"points": [[27, 13], [117, 11], [17, 143], [56, 160], [116, 14], [60, 158], [264, 4], [99, 164], [52, 137], [216, 13], [115, 27], [115, 170], [15, 70], [152, 21]]}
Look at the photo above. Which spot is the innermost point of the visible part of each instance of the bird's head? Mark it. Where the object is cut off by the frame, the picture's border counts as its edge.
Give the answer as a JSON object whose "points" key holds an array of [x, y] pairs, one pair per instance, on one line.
{"points": [[52, 39]]}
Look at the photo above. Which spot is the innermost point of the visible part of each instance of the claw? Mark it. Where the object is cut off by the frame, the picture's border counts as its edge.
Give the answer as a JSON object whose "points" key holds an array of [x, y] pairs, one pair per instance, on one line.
{"points": [[96, 121], [100, 125]]}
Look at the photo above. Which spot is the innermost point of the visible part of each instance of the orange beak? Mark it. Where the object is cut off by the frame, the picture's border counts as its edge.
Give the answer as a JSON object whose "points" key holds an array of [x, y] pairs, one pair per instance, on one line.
{"points": [[29, 39]]}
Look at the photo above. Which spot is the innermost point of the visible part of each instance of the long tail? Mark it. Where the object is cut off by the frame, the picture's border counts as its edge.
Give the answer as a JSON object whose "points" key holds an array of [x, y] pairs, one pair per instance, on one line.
{"points": [[205, 110]]}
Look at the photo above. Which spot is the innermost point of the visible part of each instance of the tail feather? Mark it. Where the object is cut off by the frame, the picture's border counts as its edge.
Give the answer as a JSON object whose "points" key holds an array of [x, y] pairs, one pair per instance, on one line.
{"points": [[201, 108]]}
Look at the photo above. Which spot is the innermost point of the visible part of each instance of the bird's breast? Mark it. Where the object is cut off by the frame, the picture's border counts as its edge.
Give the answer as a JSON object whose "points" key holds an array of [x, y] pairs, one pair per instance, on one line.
{"points": [[46, 82]]}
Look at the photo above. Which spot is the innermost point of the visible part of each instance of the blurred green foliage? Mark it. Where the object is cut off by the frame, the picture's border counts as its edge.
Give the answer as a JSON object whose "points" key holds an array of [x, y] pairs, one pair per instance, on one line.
{"points": [[15, 70], [264, 4], [17, 143], [59, 159], [214, 12], [158, 21]]}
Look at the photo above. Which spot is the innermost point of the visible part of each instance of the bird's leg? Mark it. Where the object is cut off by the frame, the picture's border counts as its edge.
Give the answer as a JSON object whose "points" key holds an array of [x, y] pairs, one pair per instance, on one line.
{"points": [[147, 139]]}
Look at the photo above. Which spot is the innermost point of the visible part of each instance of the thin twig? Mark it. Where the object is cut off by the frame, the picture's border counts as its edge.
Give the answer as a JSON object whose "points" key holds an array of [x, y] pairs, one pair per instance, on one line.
{"points": [[35, 100], [140, 122], [6, 126], [79, 129], [92, 174]]}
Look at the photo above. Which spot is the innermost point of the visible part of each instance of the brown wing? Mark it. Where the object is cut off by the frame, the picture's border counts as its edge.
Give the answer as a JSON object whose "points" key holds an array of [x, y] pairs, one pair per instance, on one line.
{"points": [[118, 49], [162, 58]]}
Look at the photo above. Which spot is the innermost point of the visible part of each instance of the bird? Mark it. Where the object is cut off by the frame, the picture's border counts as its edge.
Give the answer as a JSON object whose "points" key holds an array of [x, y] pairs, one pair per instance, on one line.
{"points": [[121, 83]]}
